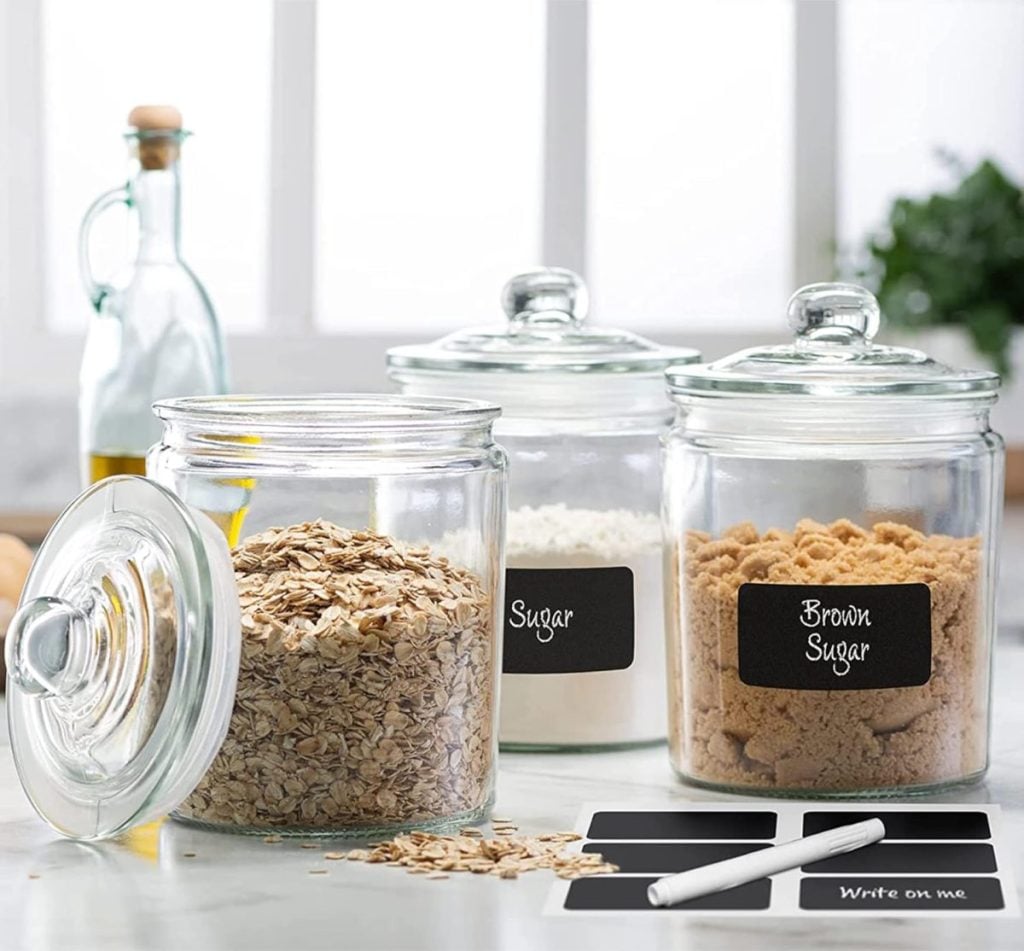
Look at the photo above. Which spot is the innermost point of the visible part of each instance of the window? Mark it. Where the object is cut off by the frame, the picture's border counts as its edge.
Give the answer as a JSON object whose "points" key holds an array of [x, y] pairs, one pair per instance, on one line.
{"points": [[690, 164], [919, 76], [372, 172], [429, 121]]}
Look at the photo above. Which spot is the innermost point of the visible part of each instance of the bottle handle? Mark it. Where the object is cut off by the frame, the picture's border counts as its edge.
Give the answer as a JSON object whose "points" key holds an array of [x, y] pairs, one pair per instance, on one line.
{"points": [[97, 290]]}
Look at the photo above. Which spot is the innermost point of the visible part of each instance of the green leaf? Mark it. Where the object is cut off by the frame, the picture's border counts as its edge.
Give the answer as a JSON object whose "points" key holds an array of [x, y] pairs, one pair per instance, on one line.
{"points": [[955, 257], [991, 329]]}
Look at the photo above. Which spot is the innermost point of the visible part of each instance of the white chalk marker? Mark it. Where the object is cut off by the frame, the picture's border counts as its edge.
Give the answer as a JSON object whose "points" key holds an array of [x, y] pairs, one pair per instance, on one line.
{"points": [[719, 876]]}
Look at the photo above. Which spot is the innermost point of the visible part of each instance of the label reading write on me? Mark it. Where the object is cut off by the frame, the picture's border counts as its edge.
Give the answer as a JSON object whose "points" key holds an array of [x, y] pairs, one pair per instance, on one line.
{"points": [[568, 620], [834, 637]]}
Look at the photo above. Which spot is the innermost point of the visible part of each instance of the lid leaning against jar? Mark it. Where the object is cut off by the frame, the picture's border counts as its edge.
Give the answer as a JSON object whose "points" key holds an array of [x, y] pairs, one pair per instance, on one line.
{"points": [[546, 337], [122, 659], [832, 355]]}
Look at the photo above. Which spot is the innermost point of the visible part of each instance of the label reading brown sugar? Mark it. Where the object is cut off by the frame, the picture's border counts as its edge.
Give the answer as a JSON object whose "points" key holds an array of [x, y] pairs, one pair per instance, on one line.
{"points": [[834, 637]]}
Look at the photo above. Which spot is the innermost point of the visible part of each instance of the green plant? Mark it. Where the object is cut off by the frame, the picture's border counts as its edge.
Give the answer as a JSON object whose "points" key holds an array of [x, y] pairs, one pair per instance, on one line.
{"points": [[956, 257]]}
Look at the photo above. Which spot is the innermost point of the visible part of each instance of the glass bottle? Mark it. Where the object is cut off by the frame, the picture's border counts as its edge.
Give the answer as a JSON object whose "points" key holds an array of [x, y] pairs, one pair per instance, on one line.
{"points": [[155, 334]]}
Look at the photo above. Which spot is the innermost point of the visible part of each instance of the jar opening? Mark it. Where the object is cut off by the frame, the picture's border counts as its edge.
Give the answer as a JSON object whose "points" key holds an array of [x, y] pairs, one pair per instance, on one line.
{"points": [[327, 413]]}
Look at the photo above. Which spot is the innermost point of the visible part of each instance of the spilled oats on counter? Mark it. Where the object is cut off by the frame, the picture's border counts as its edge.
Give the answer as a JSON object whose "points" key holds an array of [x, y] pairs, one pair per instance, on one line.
{"points": [[421, 853]]}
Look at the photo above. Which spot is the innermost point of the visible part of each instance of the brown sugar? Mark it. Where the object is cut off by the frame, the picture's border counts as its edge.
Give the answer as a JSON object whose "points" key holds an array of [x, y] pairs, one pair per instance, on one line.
{"points": [[726, 732]]}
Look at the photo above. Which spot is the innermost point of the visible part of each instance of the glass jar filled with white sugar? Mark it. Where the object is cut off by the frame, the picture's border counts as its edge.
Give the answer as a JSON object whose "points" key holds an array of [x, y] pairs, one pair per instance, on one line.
{"points": [[583, 410]]}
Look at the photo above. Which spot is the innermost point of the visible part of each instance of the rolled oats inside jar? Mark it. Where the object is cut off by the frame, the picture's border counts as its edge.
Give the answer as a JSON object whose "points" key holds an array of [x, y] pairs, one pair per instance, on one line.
{"points": [[365, 688]]}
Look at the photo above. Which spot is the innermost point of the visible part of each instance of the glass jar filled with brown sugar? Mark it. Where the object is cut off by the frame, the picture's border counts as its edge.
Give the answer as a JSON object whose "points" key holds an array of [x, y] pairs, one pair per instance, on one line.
{"points": [[832, 508]]}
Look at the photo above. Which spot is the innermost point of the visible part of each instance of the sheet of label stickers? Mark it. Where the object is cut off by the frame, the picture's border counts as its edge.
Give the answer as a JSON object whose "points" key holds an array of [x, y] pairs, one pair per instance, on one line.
{"points": [[936, 859]]}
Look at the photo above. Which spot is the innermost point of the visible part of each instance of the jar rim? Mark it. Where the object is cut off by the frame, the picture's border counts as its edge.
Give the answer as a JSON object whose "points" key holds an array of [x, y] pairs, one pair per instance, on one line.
{"points": [[327, 412]]}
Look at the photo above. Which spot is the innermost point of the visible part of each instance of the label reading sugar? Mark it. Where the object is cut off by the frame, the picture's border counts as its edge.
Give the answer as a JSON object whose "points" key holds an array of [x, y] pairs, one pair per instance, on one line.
{"points": [[568, 620], [834, 637]]}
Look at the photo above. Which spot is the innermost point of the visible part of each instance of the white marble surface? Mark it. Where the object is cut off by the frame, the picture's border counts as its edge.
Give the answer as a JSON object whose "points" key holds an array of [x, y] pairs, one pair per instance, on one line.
{"points": [[241, 893]]}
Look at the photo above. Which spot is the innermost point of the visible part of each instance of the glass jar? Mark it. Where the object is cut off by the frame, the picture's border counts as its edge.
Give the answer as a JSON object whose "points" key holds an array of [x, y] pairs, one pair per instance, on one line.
{"points": [[583, 409], [335, 673], [832, 508]]}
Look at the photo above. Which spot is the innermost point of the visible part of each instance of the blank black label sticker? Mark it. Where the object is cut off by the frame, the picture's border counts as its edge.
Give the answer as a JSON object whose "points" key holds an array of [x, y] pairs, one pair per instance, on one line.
{"points": [[682, 825], [667, 857], [901, 894], [907, 825], [568, 620], [911, 857], [835, 637], [630, 894]]}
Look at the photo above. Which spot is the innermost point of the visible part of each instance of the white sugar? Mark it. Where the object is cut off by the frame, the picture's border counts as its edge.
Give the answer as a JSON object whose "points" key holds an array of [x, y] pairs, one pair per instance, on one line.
{"points": [[555, 530], [594, 707]]}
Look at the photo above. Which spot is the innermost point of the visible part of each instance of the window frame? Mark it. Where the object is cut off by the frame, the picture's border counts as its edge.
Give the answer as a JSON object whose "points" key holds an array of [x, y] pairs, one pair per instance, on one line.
{"points": [[291, 353]]}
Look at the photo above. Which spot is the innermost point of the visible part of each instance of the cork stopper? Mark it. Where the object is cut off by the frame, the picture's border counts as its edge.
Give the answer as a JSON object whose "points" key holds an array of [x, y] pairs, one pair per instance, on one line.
{"points": [[159, 135], [147, 118]]}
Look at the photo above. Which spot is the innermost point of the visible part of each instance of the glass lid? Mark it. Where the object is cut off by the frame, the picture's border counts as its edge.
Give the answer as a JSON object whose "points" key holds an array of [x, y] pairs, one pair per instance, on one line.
{"points": [[546, 331], [122, 659], [832, 355]]}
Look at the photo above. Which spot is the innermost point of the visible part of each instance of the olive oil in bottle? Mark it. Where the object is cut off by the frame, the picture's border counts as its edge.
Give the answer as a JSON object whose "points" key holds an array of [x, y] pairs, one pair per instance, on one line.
{"points": [[101, 466], [230, 523], [154, 335]]}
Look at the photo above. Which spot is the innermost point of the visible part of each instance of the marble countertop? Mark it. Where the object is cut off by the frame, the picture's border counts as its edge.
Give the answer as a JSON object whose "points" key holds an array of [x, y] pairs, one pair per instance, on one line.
{"points": [[237, 892], [147, 894]]}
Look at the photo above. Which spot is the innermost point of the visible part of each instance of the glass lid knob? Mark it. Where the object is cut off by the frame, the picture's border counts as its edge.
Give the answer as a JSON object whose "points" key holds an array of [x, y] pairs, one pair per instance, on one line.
{"points": [[44, 647], [834, 315], [545, 296]]}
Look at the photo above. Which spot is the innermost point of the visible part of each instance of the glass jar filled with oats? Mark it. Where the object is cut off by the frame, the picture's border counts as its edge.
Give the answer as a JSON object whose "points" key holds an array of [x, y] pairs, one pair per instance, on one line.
{"points": [[832, 509], [274, 632]]}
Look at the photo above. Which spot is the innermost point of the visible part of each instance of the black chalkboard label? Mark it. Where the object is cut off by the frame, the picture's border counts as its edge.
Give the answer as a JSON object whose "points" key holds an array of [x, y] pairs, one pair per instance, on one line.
{"points": [[901, 894], [903, 857], [568, 620], [904, 825], [667, 858], [702, 824], [629, 893], [835, 637]]}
